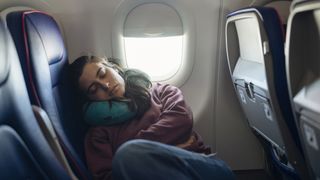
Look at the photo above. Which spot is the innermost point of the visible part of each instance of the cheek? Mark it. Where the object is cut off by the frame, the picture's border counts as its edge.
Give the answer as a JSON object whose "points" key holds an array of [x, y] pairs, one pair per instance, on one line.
{"points": [[121, 80], [121, 91]]}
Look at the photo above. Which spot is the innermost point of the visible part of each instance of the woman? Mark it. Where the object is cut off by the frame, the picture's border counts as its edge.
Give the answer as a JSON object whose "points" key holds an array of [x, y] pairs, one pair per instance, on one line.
{"points": [[161, 115]]}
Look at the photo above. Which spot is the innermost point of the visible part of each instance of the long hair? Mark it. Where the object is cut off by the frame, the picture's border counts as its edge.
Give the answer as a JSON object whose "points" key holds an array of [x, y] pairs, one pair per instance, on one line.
{"points": [[137, 83]]}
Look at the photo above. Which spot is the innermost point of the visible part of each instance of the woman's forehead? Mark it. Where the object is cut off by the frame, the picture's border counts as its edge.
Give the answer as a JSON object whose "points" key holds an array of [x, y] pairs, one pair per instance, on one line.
{"points": [[91, 68], [89, 74]]}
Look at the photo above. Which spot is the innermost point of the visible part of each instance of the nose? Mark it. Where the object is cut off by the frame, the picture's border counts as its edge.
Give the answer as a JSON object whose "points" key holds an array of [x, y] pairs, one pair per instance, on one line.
{"points": [[106, 85]]}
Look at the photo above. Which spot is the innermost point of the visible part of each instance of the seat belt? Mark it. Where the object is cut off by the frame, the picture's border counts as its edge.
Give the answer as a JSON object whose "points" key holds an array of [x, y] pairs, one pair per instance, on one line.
{"points": [[52, 138]]}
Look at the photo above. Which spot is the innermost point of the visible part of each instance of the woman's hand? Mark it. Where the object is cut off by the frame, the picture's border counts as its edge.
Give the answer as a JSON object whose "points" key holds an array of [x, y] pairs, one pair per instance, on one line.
{"points": [[190, 141]]}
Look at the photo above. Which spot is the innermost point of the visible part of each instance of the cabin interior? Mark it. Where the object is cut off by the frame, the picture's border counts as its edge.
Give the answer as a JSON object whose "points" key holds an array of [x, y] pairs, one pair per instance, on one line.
{"points": [[210, 43]]}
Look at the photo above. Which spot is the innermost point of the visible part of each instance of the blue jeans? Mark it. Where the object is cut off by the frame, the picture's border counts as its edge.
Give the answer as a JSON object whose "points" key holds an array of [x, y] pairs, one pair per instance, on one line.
{"points": [[142, 159]]}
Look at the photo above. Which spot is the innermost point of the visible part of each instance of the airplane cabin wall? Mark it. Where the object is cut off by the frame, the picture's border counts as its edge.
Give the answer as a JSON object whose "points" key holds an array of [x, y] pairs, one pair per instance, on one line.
{"points": [[87, 27]]}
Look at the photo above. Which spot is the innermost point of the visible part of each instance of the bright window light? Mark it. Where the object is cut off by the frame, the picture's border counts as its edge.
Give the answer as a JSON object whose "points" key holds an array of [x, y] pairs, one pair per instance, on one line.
{"points": [[159, 57]]}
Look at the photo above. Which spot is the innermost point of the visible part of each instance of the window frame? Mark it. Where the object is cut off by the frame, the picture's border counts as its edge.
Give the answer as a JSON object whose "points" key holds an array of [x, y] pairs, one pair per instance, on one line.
{"points": [[188, 47]]}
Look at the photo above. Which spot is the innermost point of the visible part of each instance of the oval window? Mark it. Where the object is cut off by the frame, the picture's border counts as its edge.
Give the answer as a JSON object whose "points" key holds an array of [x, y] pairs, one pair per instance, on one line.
{"points": [[153, 40]]}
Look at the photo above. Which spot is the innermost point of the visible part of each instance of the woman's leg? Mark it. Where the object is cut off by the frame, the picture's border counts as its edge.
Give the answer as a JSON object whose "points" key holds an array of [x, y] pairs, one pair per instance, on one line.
{"points": [[142, 159]]}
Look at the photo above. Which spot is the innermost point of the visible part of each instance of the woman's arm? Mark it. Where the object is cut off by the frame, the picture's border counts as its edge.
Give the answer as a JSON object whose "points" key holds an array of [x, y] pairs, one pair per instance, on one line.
{"points": [[175, 122], [99, 153]]}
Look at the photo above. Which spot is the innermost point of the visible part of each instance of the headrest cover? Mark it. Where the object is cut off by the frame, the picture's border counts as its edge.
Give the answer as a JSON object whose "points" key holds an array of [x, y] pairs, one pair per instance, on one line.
{"points": [[48, 31], [4, 61]]}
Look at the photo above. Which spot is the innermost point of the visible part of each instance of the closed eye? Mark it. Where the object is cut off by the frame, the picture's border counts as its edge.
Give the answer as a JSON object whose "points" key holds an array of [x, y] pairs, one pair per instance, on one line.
{"points": [[102, 73]]}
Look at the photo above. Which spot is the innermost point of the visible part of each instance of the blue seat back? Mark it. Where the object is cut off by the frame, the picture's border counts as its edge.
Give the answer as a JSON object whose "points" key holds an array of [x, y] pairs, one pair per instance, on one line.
{"points": [[25, 153], [303, 67], [267, 80], [275, 32], [43, 57]]}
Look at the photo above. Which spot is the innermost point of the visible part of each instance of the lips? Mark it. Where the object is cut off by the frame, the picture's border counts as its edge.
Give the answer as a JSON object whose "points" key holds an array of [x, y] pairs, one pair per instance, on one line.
{"points": [[114, 89]]}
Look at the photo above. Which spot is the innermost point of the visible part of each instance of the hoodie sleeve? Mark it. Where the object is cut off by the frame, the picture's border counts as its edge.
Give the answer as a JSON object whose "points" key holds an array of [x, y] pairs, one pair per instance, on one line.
{"points": [[174, 125]]}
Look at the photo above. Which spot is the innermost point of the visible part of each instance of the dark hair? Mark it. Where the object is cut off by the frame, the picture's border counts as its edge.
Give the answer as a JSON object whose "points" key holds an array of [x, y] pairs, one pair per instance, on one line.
{"points": [[137, 83]]}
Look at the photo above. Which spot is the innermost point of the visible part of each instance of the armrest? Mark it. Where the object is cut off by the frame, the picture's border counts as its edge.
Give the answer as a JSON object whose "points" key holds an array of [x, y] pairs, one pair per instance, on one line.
{"points": [[52, 138]]}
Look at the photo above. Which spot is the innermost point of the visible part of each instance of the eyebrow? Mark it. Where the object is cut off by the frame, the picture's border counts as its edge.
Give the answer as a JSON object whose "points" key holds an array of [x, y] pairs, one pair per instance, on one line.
{"points": [[97, 74]]}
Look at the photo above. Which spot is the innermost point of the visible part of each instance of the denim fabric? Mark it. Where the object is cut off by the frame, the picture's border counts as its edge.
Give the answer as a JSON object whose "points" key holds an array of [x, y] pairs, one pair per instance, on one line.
{"points": [[142, 159]]}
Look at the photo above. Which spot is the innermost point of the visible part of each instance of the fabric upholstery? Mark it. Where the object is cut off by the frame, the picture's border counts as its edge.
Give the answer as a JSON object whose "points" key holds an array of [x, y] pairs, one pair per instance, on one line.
{"points": [[25, 153], [43, 58]]}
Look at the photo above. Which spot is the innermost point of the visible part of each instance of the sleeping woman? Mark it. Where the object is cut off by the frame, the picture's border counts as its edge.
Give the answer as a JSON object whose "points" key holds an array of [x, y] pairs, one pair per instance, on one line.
{"points": [[122, 105]]}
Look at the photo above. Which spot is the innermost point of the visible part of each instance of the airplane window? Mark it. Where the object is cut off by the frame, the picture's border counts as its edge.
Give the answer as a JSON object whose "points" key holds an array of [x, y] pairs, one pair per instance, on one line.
{"points": [[159, 57], [153, 40]]}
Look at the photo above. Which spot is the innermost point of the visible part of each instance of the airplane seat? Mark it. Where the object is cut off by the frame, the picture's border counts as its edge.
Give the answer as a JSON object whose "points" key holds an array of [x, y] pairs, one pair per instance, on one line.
{"points": [[303, 73], [255, 55], [25, 152], [43, 58]]}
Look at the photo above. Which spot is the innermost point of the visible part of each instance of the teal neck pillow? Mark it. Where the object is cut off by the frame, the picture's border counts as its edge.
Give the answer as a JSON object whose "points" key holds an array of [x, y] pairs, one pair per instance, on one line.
{"points": [[107, 112]]}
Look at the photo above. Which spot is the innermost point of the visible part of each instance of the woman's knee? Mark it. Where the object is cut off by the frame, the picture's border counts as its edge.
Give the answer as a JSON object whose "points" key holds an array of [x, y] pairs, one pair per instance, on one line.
{"points": [[131, 152], [134, 147]]}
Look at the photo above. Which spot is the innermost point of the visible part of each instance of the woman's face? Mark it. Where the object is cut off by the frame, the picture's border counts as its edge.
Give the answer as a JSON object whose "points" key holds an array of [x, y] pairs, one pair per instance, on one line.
{"points": [[100, 82]]}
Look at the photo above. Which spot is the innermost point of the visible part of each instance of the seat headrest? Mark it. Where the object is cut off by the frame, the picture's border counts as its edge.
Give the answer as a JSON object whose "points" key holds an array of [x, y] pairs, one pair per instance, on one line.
{"points": [[39, 43], [4, 62], [48, 31]]}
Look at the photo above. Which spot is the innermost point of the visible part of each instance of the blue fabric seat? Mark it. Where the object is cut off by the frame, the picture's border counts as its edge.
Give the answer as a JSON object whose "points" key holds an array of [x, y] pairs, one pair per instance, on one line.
{"points": [[43, 58], [284, 133], [25, 153]]}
